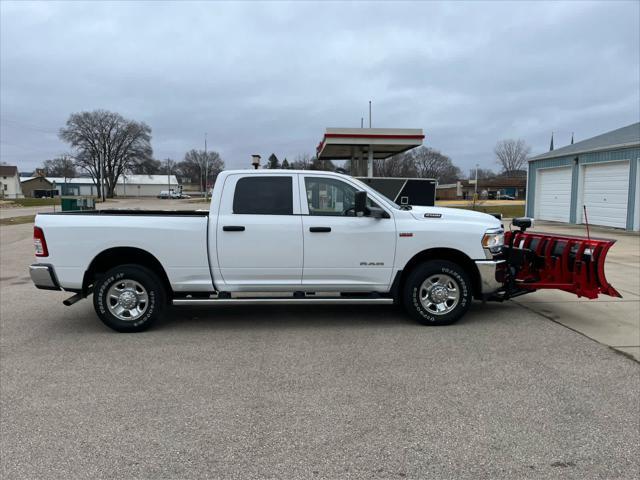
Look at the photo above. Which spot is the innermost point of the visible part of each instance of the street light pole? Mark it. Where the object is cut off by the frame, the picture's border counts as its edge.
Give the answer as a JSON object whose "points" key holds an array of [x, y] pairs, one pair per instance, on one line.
{"points": [[476, 185], [206, 169]]}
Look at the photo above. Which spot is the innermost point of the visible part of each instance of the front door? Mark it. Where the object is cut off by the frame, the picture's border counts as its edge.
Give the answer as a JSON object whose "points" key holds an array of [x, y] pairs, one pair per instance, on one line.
{"points": [[342, 249], [259, 231]]}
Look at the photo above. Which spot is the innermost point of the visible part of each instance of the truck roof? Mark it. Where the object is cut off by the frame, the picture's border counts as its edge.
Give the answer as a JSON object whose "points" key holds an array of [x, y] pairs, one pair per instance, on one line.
{"points": [[267, 171]]}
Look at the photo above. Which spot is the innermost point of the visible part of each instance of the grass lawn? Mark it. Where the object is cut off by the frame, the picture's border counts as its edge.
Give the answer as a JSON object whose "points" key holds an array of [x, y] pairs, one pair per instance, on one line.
{"points": [[35, 202], [17, 220], [507, 211]]}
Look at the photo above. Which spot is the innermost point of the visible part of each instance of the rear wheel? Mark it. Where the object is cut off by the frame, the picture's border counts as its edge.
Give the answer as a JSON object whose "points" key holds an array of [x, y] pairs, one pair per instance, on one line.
{"points": [[129, 298], [437, 292]]}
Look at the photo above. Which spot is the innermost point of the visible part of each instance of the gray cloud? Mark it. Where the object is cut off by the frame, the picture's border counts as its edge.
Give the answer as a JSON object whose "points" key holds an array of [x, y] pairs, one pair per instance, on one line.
{"points": [[269, 77]]}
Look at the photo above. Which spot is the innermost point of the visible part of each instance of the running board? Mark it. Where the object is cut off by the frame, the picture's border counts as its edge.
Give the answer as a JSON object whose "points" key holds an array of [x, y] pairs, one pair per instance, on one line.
{"points": [[279, 301]]}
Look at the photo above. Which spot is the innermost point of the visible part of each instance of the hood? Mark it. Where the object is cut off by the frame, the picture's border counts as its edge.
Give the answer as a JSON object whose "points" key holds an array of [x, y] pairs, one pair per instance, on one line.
{"points": [[455, 214]]}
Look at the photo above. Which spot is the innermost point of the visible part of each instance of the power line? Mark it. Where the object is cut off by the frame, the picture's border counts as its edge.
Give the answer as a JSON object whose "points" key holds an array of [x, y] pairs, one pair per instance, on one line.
{"points": [[27, 126]]}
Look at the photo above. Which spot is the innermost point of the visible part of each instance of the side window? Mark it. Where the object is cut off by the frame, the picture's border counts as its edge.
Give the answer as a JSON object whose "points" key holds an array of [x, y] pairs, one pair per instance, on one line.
{"points": [[328, 196], [266, 195]]}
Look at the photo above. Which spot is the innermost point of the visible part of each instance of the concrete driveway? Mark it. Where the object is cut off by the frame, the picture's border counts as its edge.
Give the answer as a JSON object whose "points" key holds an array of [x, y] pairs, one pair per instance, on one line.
{"points": [[322, 392], [611, 321]]}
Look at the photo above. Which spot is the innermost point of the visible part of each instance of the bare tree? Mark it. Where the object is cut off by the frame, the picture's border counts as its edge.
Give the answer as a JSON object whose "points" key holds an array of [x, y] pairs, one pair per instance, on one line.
{"points": [[196, 165], [60, 167], [148, 166], [401, 165], [512, 155], [106, 142], [301, 162], [483, 173], [431, 163], [168, 166]]}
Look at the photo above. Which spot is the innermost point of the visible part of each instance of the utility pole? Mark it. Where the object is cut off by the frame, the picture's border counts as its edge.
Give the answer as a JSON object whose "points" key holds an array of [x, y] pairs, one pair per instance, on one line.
{"points": [[206, 169], [369, 113], [475, 187], [169, 176], [102, 179]]}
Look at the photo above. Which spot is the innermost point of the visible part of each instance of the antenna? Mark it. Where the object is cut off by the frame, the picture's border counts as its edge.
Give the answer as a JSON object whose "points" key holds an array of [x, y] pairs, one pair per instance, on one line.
{"points": [[586, 221]]}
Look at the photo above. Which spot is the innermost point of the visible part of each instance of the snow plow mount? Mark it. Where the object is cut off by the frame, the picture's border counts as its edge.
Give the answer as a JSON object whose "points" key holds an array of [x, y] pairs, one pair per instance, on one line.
{"points": [[537, 261]]}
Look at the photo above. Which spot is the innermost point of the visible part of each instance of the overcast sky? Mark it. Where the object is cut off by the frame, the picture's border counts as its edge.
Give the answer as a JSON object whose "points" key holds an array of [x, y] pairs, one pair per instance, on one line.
{"points": [[269, 77]]}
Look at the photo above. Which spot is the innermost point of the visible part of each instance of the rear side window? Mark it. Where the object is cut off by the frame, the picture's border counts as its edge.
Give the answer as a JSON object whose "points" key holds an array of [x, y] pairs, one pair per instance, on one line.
{"points": [[263, 196]]}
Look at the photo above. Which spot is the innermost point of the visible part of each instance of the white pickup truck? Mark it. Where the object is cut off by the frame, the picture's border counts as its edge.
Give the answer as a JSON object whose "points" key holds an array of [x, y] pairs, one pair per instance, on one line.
{"points": [[284, 236]]}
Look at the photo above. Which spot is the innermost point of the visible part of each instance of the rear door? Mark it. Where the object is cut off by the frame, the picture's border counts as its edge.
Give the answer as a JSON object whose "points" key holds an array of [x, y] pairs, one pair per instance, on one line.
{"points": [[259, 231], [341, 249]]}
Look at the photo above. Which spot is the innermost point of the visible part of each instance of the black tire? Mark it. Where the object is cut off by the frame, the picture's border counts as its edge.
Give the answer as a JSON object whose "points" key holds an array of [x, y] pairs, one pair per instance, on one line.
{"points": [[134, 274], [413, 291]]}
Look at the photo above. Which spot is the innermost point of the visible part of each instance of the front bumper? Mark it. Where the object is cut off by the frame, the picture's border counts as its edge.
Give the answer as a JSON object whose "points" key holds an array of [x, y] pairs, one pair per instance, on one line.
{"points": [[491, 275], [44, 276]]}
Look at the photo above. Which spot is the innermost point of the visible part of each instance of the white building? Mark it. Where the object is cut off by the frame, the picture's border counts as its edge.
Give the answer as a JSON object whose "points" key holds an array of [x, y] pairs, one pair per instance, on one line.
{"points": [[145, 185], [10, 182], [127, 186]]}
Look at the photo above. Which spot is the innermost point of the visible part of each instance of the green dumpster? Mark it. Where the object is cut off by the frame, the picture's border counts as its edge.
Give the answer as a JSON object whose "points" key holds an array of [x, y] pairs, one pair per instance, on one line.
{"points": [[68, 204]]}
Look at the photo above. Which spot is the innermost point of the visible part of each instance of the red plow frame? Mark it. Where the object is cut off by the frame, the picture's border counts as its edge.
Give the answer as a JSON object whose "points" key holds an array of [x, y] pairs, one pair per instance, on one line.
{"points": [[545, 261]]}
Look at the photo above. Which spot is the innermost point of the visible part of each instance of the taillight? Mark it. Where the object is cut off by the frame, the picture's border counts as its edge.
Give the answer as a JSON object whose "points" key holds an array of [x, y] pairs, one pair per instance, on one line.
{"points": [[40, 243]]}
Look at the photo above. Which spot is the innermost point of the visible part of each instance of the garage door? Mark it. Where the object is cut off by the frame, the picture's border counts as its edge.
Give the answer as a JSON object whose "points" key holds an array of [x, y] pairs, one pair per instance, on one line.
{"points": [[553, 194], [606, 193]]}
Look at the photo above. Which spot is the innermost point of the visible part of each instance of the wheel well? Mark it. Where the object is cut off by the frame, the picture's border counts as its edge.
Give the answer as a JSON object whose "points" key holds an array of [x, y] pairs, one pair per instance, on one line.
{"points": [[450, 254], [113, 257]]}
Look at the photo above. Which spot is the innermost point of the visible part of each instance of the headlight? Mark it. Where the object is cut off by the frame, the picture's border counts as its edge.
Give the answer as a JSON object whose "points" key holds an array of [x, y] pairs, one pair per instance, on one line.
{"points": [[493, 241]]}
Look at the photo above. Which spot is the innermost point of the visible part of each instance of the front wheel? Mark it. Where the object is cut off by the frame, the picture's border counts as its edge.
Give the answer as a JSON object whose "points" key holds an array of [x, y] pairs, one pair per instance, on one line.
{"points": [[128, 298], [437, 292]]}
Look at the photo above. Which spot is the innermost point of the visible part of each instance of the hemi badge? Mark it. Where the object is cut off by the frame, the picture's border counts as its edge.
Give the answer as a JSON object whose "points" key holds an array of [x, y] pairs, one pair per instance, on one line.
{"points": [[406, 234], [432, 215]]}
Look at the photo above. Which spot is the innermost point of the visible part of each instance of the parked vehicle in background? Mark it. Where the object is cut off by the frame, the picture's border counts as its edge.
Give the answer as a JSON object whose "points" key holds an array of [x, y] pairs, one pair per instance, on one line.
{"points": [[170, 194], [275, 232], [506, 197]]}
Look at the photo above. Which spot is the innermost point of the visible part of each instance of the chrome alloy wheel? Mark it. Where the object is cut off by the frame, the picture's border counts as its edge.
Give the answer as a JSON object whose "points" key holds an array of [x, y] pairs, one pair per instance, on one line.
{"points": [[439, 294], [127, 300]]}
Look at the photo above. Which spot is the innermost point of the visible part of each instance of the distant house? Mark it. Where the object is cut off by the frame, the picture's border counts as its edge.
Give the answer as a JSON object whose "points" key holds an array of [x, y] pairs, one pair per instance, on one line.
{"points": [[515, 187], [10, 182], [37, 187]]}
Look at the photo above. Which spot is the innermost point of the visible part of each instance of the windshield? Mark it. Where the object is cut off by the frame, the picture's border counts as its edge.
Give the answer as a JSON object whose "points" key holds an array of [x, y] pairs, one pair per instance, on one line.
{"points": [[386, 200]]}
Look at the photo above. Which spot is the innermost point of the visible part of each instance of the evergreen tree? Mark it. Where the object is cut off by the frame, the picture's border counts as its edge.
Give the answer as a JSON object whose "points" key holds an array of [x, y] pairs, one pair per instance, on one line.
{"points": [[285, 164], [273, 161]]}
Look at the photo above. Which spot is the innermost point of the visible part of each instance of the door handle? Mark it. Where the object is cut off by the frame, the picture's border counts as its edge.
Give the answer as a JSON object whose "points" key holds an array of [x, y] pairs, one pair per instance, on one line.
{"points": [[319, 229], [233, 228]]}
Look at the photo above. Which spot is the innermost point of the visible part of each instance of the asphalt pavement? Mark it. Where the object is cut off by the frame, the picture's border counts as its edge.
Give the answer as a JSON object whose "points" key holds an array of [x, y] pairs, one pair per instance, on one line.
{"points": [[305, 392]]}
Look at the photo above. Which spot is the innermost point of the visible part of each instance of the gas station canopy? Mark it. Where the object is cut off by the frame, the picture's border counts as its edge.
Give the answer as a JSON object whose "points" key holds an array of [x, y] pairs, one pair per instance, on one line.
{"points": [[363, 145]]}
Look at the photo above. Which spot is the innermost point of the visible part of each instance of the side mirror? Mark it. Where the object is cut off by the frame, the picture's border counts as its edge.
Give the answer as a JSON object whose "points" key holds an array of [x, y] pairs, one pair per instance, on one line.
{"points": [[360, 203], [377, 212]]}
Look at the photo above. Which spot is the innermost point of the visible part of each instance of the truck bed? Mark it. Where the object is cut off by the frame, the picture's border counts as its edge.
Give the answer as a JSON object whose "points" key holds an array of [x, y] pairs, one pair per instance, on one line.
{"points": [[176, 238], [128, 212]]}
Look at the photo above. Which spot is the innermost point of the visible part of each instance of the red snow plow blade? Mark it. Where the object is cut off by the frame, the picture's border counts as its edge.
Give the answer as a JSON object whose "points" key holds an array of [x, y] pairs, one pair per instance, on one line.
{"points": [[546, 261]]}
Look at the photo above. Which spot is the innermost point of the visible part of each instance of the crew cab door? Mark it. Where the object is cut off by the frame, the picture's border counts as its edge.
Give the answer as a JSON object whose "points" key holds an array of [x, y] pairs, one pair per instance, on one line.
{"points": [[342, 249], [259, 231]]}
